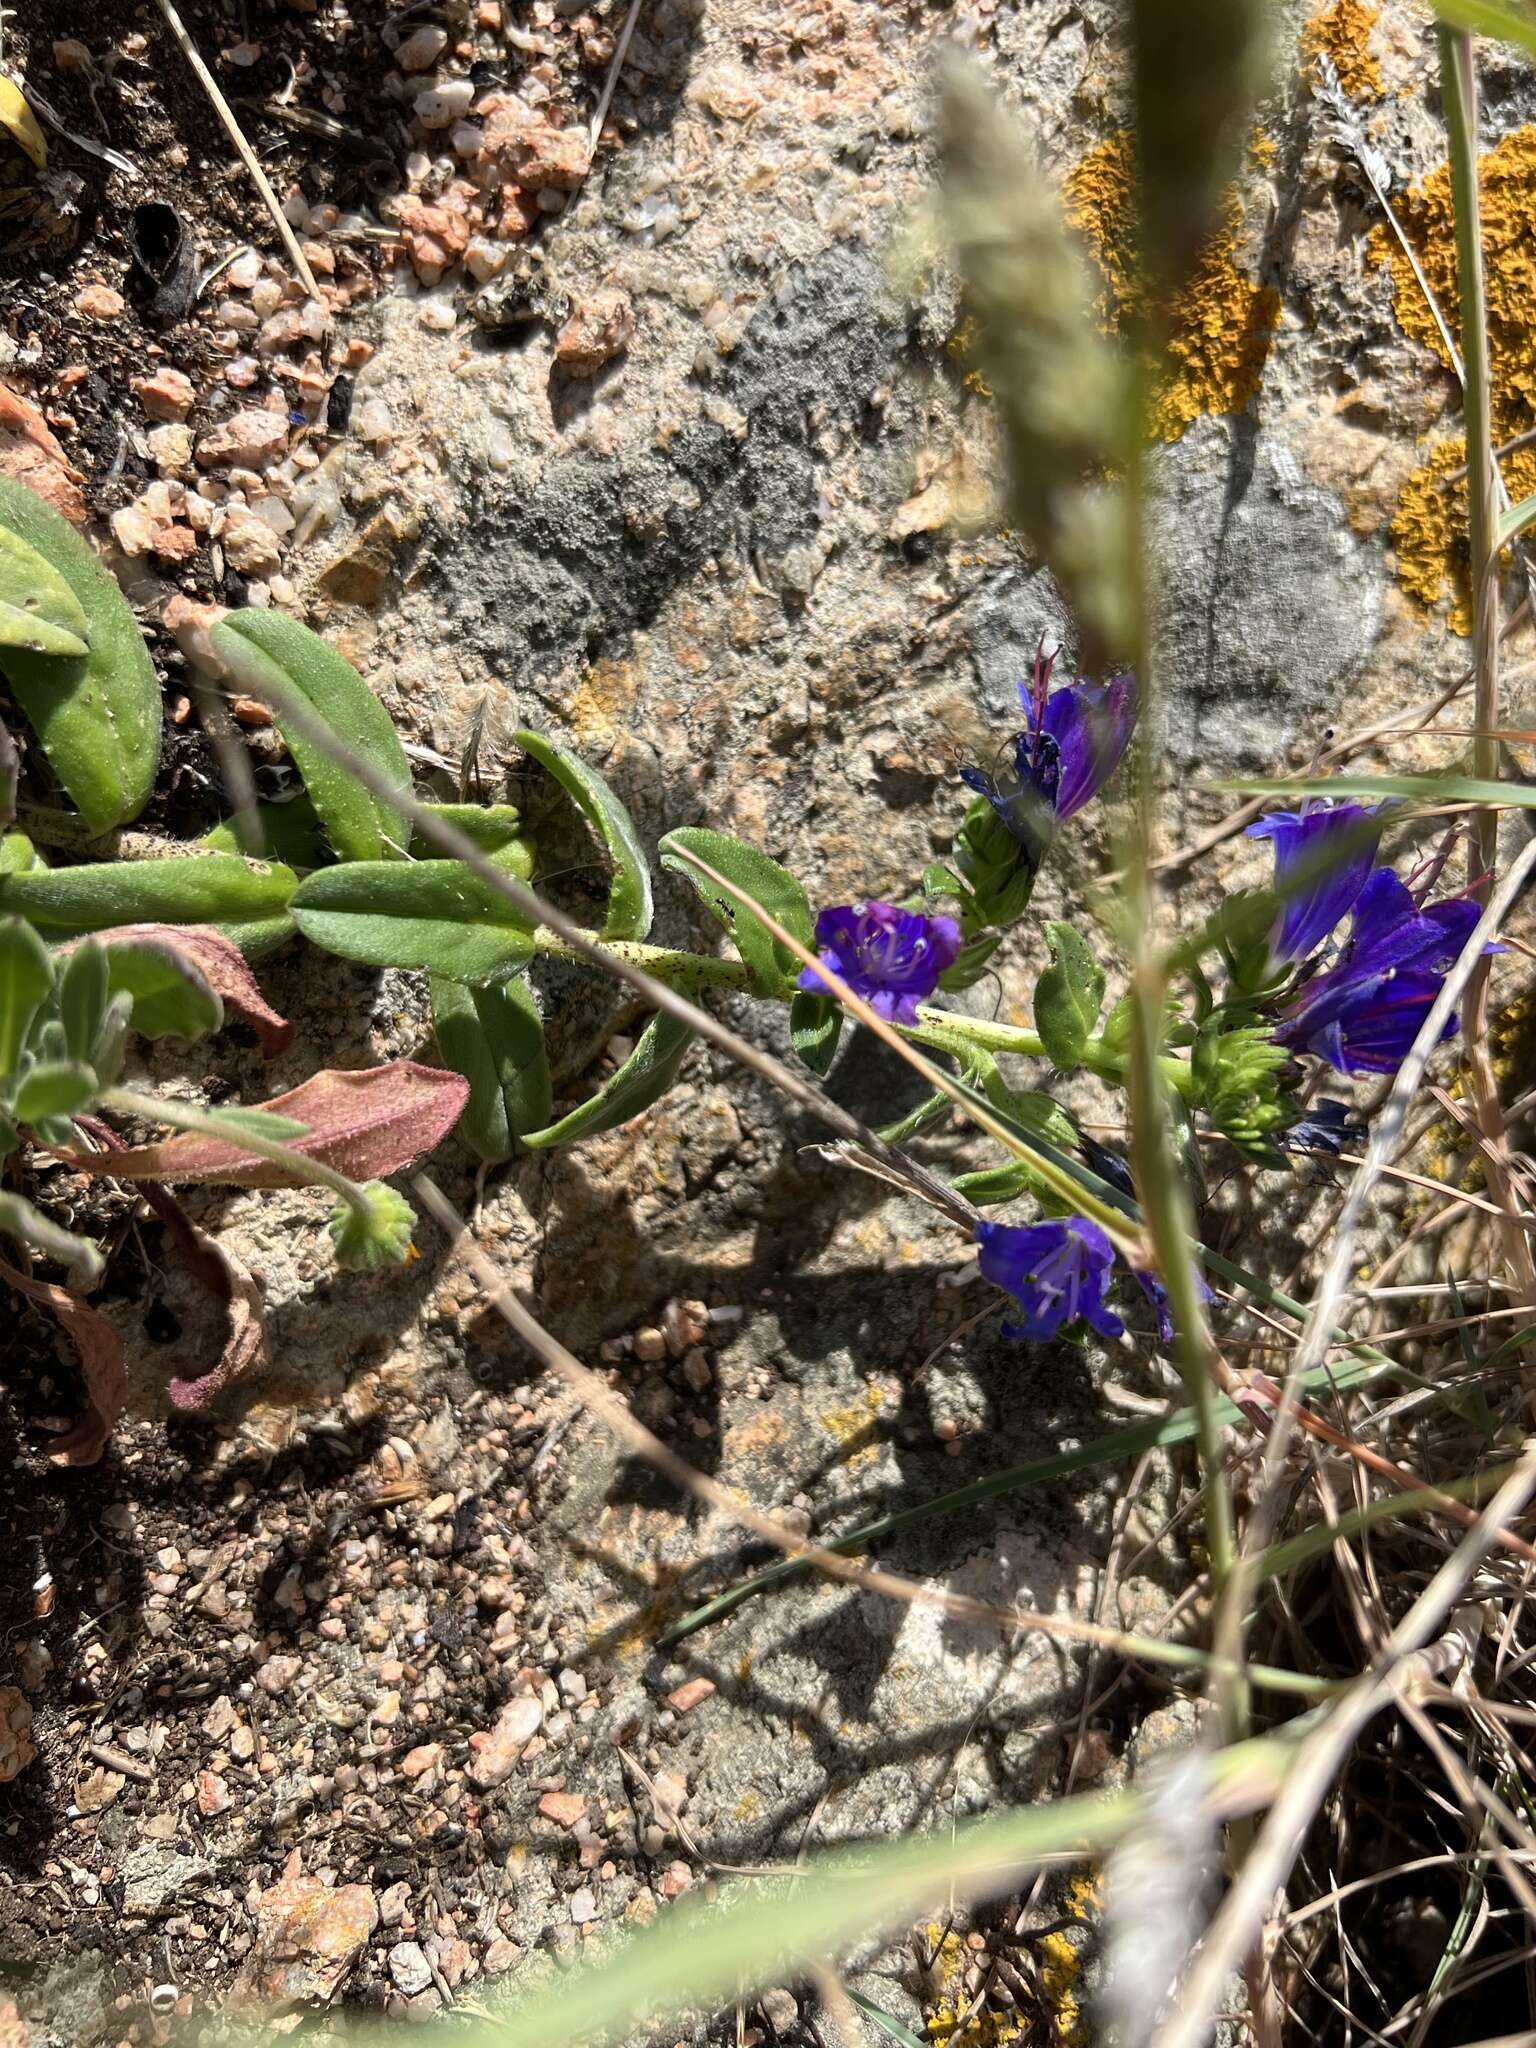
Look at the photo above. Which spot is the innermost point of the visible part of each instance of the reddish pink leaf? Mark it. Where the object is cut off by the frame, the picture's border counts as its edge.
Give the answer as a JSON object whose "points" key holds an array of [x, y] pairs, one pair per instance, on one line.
{"points": [[245, 1340], [365, 1124], [101, 1360], [221, 964]]}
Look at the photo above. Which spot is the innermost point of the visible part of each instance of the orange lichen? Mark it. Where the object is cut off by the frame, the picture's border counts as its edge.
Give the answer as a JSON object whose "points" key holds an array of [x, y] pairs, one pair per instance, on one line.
{"points": [[1222, 322], [1428, 528], [1342, 33]]}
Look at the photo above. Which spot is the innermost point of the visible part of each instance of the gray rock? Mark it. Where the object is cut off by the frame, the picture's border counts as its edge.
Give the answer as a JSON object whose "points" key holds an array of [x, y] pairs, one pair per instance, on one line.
{"points": [[409, 1970], [155, 1872]]}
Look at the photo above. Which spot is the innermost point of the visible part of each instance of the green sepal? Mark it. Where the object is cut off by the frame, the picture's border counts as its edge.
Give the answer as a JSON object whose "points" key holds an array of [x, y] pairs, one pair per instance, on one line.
{"points": [[97, 715], [815, 1026], [379, 1236], [1000, 874], [1068, 997], [773, 967], [266, 650], [432, 914], [644, 1077], [494, 1037], [631, 905]]}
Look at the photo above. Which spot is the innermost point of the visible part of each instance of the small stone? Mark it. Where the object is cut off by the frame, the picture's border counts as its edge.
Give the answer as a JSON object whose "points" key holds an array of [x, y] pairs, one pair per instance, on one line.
{"points": [[168, 395], [557, 157], [439, 313], [213, 1795], [170, 448], [417, 1762], [599, 328], [375, 424], [96, 1789], [454, 1959], [495, 1756], [650, 1345], [692, 1693], [443, 104], [409, 1970], [697, 1370], [266, 297], [564, 1809], [308, 1936], [277, 1675], [781, 2011], [500, 1955], [254, 438], [99, 302], [583, 1906], [421, 49], [250, 545], [244, 271]]}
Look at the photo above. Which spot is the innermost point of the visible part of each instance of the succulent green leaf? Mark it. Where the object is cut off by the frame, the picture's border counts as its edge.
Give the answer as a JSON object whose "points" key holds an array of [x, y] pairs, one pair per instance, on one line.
{"points": [[494, 1037], [83, 995], [60, 1088], [26, 980], [644, 1077], [202, 888], [258, 936], [17, 854], [96, 713], [272, 656], [171, 996], [432, 914], [1068, 996], [773, 967], [630, 903], [815, 1025], [38, 610], [497, 829]]}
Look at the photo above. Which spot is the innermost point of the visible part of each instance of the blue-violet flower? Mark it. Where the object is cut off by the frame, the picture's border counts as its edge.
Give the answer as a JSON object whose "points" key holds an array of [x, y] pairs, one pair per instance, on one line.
{"points": [[1324, 854], [892, 958], [1073, 743], [1057, 1272]]}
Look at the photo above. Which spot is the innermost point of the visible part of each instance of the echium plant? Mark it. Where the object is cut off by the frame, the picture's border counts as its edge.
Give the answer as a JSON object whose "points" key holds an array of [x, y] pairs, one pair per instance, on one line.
{"points": [[158, 942]]}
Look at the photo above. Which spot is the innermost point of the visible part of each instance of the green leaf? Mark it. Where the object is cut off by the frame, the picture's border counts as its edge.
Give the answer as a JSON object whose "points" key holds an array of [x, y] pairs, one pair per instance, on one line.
{"points": [[258, 1123], [1514, 522], [494, 1037], [200, 888], [1490, 18], [30, 1226], [497, 829], [26, 979], [17, 854], [434, 914], [1067, 997], [112, 1040], [815, 1025], [62, 1088], [171, 997], [1000, 875], [774, 969], [258, 936], [38, 610], [97, 714], [83, 994], [645, 1076], [289, 832], [272, 655], [630, 903], [886, 2022]]}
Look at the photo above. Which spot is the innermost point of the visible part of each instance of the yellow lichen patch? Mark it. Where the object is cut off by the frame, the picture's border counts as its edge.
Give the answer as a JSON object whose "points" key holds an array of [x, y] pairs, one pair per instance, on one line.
{"points": [[1428, 530], [1342, 32], [957, 2028], [1062, 1966], [854, 1429], [1429, 526], [1223, 320]]}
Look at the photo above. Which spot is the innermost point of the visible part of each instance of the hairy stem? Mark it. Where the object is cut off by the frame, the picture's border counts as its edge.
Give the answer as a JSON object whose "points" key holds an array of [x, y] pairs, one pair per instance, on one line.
{"points": [[182, 1116], [688, 972]]}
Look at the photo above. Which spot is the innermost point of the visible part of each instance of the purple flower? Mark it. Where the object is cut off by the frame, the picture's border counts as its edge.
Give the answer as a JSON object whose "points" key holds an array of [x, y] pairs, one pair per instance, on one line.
{"points": [[892, 958], [1073, 743], [1326, 1128], [1323, 858], [1157, 1294], [1363, 1015], [1057, 1272]]}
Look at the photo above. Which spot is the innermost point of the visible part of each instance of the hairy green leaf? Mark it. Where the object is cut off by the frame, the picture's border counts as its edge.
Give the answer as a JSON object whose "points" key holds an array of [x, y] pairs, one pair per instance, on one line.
{"points": [[202, 888], [171, 996], [216, 960], [494, 1037], [83, 993], [267, 651], [497, 829], [644, 1077], [433, 914], [96, 714], [773, 967], [26, 979], [29, 1226], [38, 610], [59, 1088], [630, 903], [1067, 997], [815, 1025], [289, 832]]}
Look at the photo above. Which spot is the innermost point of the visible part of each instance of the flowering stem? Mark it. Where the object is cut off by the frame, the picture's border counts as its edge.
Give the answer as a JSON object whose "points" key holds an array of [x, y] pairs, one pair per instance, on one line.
{"points": [[688, 972], [181, 1116]]}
